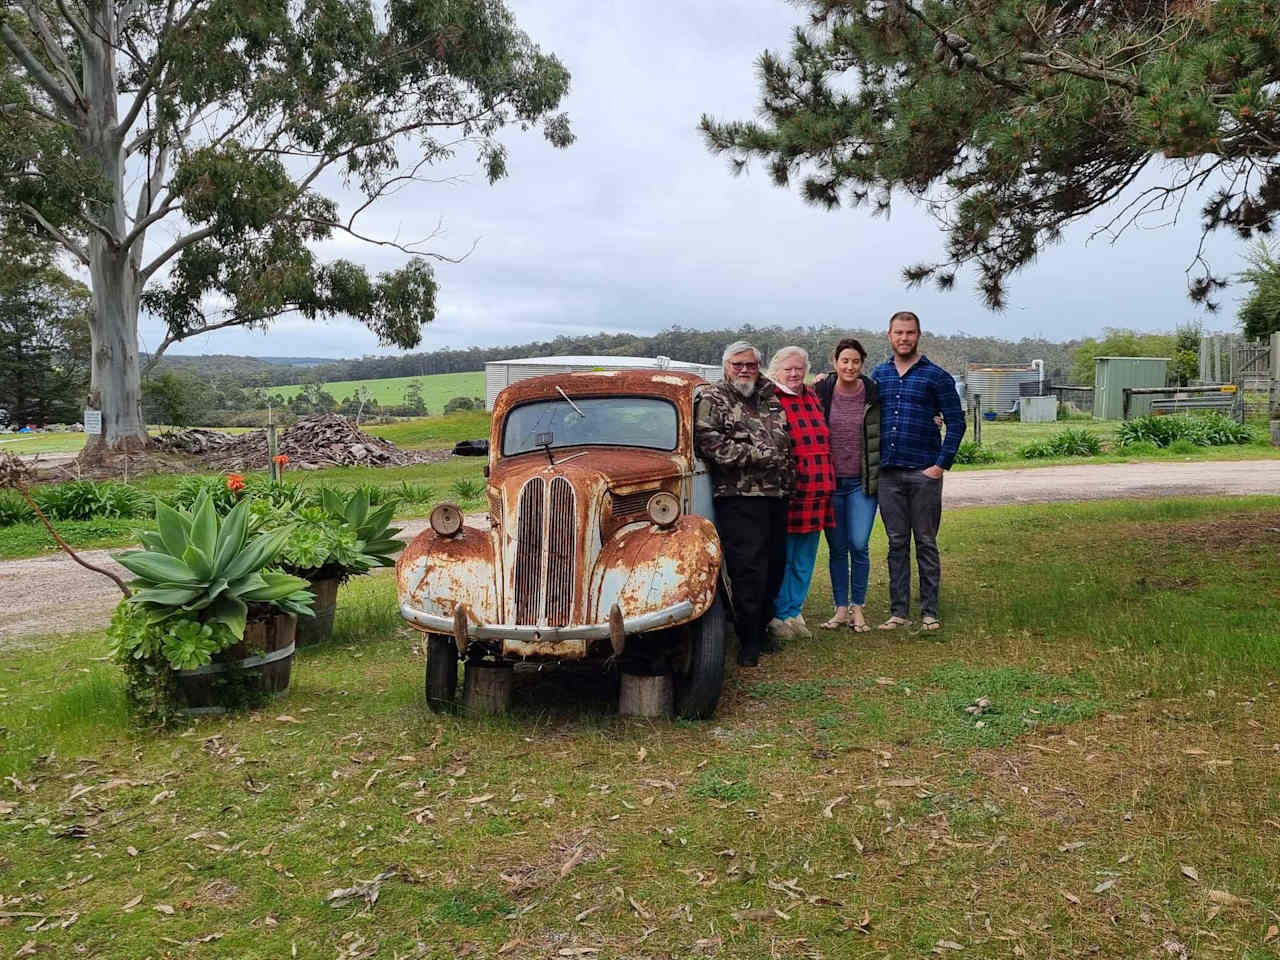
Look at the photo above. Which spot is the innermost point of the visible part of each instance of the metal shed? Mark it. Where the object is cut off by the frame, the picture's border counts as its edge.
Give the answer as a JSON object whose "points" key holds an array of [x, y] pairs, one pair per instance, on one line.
{"points": [[502, 373], [1112, 374]]}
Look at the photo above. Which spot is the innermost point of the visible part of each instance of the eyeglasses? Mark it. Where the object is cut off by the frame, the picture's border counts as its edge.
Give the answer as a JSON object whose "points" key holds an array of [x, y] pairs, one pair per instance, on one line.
{"points": [[746, 365]]}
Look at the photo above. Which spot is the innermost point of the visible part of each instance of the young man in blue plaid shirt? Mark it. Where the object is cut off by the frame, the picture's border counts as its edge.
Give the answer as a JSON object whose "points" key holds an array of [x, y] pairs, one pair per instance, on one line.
{"points": [[913, 457]]}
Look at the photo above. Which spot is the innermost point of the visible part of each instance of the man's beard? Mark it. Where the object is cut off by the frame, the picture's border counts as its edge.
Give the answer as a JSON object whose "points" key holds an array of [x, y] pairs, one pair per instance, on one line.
{"points": [[746, 389]]}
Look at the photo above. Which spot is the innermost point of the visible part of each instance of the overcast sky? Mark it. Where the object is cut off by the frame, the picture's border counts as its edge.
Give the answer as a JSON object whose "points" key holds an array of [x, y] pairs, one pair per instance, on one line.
{"points": [[637, 227]]}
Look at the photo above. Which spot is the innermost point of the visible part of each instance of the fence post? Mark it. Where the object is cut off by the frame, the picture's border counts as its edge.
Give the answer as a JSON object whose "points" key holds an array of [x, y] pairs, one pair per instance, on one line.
{"points": [[1128, 395], [977, 419], [271, 452], [1275, 390]]}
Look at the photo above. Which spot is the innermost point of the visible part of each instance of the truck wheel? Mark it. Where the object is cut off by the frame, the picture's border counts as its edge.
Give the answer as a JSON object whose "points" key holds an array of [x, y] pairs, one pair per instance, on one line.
{"points": [[699, 675], [442, 672]]}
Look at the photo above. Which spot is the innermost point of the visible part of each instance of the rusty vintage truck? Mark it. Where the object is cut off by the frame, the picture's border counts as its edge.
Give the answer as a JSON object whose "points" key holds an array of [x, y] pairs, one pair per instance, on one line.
{"points": [[599, 544]]}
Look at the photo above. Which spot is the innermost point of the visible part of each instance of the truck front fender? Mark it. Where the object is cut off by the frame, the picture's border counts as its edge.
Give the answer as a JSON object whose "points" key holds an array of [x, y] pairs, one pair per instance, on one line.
{"points": [[435, 573], [644, 567]]}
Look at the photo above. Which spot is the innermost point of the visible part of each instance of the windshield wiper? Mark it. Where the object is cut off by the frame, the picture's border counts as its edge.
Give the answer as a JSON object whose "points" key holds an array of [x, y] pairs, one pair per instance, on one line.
{"points": [[576, 409]]}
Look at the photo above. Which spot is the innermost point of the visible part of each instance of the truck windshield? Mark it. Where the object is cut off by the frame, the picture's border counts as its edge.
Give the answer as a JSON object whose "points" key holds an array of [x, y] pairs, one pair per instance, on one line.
{"points": [[591, 421]]}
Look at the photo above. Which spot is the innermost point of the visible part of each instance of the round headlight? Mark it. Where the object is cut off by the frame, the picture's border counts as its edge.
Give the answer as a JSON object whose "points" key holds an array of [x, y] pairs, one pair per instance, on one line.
{"points": [[446, 519], [664, 508]]}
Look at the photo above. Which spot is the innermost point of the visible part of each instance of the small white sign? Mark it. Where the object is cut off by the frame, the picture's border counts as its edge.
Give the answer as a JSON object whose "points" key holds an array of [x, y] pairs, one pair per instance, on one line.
{"points": [[93, 422]]}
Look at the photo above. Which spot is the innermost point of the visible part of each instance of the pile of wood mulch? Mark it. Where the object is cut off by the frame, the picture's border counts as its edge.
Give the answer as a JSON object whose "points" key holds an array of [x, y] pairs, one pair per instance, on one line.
{"points": [[328, 440]]}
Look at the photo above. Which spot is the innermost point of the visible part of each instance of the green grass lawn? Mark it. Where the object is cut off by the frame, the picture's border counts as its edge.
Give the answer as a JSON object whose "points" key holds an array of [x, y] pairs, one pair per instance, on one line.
{"points": [[437, 389], [1116, 798]]}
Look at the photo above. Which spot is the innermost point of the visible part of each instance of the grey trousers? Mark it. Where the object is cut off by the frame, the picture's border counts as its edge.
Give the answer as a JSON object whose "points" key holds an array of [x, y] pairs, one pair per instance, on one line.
{"points": [[911, 506]]}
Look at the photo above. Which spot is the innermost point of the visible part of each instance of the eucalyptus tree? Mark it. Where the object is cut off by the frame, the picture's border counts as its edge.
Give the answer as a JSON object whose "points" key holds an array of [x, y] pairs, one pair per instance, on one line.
{"points": [[189, 154], [1011, 119]]}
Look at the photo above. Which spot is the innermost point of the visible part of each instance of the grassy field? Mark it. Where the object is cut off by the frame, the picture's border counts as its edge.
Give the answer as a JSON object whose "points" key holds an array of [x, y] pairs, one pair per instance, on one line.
{"points": [[1116, 798], [437, 389]]}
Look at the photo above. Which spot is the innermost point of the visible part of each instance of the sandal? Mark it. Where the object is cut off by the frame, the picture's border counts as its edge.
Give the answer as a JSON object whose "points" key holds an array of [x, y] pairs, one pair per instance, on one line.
{"points": [[837, 621], [930, 623], [858, 623], [893, 623]]}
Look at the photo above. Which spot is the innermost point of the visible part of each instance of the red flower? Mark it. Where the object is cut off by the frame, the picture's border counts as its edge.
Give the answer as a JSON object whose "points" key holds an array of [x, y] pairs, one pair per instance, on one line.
{"points": [[235, 482], [281, 458]]}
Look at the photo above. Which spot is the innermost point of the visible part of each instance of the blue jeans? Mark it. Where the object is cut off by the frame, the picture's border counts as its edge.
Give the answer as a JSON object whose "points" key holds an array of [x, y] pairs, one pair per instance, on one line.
{"points": [[802, 551], [848, 540]]}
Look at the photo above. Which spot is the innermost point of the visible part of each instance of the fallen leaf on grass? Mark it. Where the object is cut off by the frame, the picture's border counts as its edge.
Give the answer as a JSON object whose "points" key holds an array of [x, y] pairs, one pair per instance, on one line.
{"points": [[1190, 872], [912, 782], [511, 945], [1070, 896], [163, 795], [641, 754], [1175, 948], [132, 903], [1105, 885], [366, 889], [163, 908], [641, 912], [483, 798], [285, 718], [579, 951], [948, 945], [131, 851], [660, 784], [1195, 752], [26, 950], [1272, 932], [1226, 899], [826, 811], [572, 862], [1069, 847]]}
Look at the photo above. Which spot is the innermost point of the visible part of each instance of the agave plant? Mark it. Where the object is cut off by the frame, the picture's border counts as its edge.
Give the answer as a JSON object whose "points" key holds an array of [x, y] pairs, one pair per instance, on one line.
{"points": [[375, 537], [203, 567]]}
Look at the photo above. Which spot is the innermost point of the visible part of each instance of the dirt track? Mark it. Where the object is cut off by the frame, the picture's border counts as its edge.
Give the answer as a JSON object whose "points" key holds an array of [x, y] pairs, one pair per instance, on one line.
{"points": [[51, 594]]}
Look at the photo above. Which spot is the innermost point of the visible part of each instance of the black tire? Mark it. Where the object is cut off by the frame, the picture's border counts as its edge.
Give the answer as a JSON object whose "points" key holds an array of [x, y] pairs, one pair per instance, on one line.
{"points": [[699, 674], [442, 672]]}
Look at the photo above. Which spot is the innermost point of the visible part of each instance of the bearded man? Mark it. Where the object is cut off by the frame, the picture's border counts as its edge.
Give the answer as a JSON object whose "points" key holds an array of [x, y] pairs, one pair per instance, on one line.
{"points": [[740, 429]]}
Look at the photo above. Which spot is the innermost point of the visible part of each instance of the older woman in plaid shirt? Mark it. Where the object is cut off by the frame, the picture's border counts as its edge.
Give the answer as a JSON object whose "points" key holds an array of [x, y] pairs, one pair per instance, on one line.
{"points": [[809, 512]]}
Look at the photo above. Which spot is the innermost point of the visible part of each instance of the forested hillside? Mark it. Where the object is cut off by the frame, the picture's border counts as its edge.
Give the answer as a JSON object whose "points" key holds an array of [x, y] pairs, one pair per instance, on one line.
{"points": [[702, 346]]}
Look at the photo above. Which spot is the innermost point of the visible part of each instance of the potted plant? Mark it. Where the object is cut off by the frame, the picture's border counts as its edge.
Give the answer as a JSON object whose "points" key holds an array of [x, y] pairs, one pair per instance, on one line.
{"points": [[340, 538], [209, 625]]}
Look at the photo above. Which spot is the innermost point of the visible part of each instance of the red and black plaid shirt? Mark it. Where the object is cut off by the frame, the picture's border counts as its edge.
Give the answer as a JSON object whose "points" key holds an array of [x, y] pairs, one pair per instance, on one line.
{"points": [[810, 508]]}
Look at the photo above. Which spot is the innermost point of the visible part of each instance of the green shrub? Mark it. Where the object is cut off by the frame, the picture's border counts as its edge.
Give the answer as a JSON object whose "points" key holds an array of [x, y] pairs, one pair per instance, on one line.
{"points": [[970, 452], [1065, 443], [13, 509], [1209, 429], [463, 403], [1140, 448], [1182, 445], [87, 500], [467, 490]]}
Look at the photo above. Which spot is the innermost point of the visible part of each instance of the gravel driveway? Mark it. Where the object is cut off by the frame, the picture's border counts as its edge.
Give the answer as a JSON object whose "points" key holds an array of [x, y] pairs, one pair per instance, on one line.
{"points": [[51, 594]]}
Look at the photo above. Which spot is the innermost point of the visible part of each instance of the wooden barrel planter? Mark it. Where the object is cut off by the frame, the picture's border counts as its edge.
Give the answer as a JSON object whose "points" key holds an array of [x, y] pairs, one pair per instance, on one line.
{"points": [[486, 687], [266, 654], [319, 627]]}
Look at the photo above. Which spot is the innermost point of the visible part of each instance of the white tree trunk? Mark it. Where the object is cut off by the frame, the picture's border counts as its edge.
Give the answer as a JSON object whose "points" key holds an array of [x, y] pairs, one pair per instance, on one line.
{"points": [[116, 385]]}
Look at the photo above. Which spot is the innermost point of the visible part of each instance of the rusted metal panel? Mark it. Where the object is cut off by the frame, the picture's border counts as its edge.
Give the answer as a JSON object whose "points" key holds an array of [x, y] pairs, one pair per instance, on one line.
{"points": [[646, 568], [435, 573]]}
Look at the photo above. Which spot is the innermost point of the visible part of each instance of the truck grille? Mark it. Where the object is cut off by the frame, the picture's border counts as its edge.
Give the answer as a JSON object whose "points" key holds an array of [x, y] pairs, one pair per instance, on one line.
{"points": [[528, 585], [560, 553], [546, 516]]}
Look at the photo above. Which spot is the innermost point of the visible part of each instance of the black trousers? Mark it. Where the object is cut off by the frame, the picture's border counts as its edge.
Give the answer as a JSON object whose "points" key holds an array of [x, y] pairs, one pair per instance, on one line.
{"points": [[911, 508], [753, 535]]}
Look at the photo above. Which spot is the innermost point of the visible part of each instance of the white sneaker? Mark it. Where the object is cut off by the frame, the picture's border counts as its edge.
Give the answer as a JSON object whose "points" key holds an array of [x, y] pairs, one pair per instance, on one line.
{"points": [[798, 627], [779, 629]]}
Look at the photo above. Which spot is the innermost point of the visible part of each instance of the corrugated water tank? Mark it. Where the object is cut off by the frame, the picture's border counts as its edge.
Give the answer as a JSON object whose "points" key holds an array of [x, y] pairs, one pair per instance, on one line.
{"points": [[999, 384]]}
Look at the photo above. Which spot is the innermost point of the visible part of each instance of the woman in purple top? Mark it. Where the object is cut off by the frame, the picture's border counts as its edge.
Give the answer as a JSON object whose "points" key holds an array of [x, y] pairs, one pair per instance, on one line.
{"points": [[851, 402]]}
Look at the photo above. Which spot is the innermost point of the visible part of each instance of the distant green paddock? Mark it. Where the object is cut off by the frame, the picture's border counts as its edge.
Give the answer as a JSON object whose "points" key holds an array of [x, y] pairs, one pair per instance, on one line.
{"points": [[437, 389]]}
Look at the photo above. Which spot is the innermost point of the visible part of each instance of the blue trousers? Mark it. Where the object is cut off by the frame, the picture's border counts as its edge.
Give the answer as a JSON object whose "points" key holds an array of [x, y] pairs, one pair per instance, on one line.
{"points": [[848, 541], [802, 551]]}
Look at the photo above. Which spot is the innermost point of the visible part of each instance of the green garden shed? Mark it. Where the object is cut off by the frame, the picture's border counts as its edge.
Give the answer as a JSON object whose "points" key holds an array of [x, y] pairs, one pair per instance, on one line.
{"points": [[1112, 374]]}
